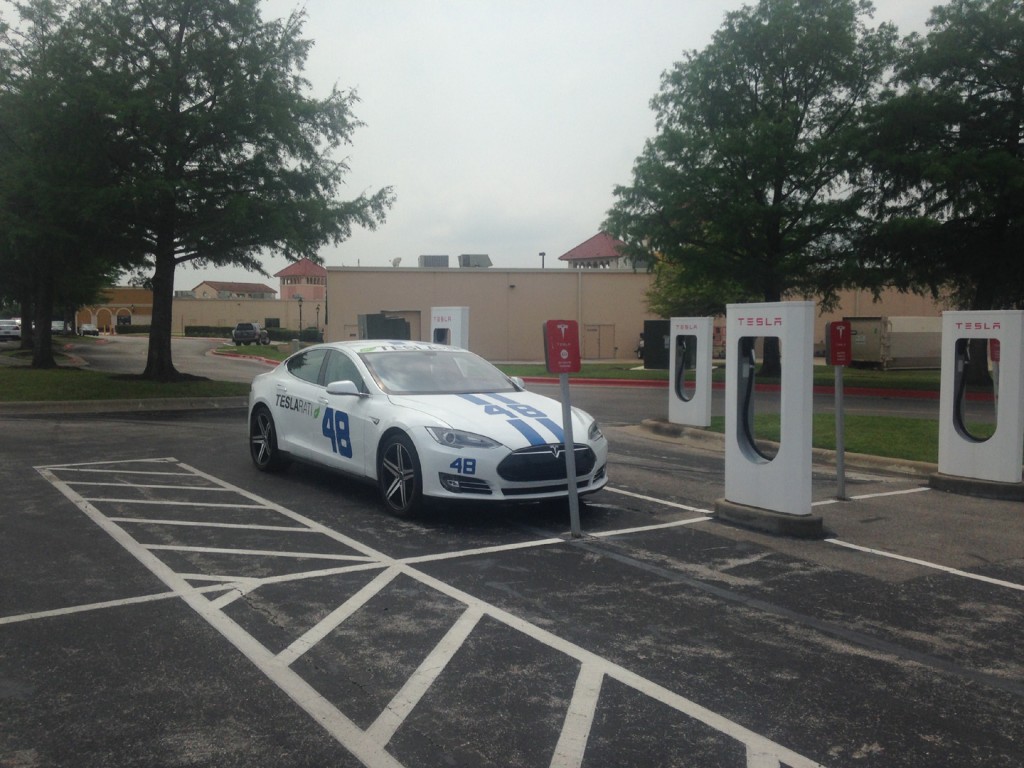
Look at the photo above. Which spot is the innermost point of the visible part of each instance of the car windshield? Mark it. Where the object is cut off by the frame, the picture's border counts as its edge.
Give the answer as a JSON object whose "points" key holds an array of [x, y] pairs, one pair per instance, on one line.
{"points": [[434, 372]]}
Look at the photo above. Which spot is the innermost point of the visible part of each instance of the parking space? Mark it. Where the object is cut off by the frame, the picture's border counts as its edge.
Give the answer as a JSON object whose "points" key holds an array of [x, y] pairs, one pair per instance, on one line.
{"points": [[166, 596]]}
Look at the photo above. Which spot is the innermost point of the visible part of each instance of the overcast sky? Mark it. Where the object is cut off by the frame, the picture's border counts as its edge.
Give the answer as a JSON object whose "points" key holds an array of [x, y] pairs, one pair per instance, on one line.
{"points": [[502, 125]]}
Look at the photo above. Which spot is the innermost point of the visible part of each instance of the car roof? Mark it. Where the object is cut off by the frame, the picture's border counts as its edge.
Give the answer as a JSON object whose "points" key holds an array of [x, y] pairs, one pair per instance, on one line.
{"points": [[391, 345]]}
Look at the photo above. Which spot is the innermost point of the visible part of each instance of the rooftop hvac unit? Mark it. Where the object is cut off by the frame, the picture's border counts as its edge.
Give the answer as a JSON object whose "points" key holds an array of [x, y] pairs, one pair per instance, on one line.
{"points": [[474, 260], [434, 261]]}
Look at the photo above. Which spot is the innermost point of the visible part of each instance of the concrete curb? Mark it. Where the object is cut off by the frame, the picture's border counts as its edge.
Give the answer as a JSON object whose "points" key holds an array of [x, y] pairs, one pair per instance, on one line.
{"points": [[142, 405], [969, 486], [795, 526]]}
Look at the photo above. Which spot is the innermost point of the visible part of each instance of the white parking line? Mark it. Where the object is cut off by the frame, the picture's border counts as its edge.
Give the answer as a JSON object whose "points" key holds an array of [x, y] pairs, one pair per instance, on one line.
{"points": [[208, 524], [663, 502], [85, 608], [482, 551], [252, 552], [926, 564], [861, 497], [148, 486], [170, 503], [645, 528]]}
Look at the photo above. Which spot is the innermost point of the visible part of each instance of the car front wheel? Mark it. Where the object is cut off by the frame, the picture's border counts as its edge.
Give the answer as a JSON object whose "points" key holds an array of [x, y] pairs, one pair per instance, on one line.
{"points": [[263, 442], [398, 475]]}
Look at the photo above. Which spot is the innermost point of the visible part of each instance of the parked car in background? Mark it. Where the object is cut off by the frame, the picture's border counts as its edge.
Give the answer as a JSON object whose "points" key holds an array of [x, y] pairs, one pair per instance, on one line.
{"points": [[10, 330], [249, 333], [88, 329]]}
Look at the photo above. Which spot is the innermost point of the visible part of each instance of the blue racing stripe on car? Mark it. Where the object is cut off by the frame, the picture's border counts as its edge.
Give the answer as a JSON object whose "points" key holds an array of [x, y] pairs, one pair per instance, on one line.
{"points": [[502, 399], [527, 431], [556, 429], [474, 399], [540, 417]]}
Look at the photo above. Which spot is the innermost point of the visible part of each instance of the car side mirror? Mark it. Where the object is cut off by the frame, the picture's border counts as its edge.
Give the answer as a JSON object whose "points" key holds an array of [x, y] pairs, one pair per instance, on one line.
{"points": [[344, 388]]}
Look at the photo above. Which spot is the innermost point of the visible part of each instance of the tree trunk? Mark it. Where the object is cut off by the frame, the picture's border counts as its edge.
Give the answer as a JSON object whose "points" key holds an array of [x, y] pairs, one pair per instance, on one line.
{"points": [[976, 369], [159, 365], [42, 311], [771, 361], [771, 356]]}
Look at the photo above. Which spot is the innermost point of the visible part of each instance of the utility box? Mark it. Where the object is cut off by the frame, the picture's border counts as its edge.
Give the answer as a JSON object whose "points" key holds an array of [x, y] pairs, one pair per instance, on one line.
{"points": [[656, 344], [897, 342], [380, 326]]}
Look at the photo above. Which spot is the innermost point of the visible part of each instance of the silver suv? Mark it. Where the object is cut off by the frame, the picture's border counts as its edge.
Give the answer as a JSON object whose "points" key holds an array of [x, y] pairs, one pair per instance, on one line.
{"points": [[249, 333]]}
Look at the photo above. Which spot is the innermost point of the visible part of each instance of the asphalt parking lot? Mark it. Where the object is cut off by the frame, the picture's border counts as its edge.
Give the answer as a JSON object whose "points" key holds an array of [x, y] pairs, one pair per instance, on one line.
{"points": [[164, 604]]}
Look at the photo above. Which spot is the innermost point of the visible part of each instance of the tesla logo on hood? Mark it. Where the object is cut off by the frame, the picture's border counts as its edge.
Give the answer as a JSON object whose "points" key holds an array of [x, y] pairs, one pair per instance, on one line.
{"points": [[557, 450]]}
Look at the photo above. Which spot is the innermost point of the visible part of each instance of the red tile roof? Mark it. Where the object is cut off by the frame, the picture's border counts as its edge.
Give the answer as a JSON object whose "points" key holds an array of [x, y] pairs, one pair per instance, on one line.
{"points": [[303, 268], [600, 246]]}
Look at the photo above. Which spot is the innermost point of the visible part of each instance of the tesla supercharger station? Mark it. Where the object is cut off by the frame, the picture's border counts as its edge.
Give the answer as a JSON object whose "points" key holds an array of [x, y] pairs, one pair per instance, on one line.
{"points": [[769, 492], [690, 350], [963, 457], [450, 325]]}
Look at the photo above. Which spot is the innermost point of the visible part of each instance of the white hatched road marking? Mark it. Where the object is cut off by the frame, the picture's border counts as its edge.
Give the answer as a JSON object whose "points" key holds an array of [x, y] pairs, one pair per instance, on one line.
{"points": [[252, 552], [336, 617], [370, 745], [403, 702], [579, 718]]}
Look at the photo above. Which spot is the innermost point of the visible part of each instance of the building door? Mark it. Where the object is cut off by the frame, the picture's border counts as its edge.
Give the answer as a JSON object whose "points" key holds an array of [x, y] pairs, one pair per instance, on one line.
{"points": [[599, 342]]}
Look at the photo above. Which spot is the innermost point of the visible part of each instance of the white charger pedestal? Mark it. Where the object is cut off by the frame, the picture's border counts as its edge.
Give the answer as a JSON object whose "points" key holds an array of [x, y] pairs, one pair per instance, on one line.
{"points": [[770, 493], [690, 350], [450, 325], [989, 468]]}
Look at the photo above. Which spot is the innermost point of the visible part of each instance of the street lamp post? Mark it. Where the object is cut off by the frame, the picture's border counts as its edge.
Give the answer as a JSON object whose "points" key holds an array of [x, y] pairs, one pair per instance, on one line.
{"points": [[542, 255], [318, 319], [299, 299]]}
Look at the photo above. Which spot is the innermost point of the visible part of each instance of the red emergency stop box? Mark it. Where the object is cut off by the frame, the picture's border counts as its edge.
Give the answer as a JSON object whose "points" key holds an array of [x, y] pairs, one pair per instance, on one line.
{"points": [[562, 346], [840, 343]]}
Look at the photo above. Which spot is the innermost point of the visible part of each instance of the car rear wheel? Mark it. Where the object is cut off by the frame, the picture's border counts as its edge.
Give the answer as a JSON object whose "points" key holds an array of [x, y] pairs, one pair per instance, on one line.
{"points": [[398, 475], [263, 442]]}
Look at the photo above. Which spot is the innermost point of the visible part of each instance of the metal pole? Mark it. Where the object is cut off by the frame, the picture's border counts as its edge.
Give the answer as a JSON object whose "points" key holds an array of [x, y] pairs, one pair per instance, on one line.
{"points": [[570, 458], [840, 437]]}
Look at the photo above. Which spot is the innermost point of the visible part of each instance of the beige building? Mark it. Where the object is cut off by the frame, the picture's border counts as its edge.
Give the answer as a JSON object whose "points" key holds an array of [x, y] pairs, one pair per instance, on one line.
{"points": [[507, 307], [215, 289]]}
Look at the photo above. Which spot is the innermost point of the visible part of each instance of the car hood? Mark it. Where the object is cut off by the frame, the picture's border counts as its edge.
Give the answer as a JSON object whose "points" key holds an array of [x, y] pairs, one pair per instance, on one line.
{"points": [[515, 419]]}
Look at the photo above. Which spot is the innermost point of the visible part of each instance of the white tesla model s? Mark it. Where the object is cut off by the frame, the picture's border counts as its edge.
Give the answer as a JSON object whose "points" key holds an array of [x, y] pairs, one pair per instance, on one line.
{"points": [[421, 420]]}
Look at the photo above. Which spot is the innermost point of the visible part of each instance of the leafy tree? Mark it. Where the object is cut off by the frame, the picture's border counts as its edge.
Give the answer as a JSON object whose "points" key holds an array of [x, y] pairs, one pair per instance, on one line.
{"points": [[55, 181], [224, 153], [744, 193], [946, 151]]}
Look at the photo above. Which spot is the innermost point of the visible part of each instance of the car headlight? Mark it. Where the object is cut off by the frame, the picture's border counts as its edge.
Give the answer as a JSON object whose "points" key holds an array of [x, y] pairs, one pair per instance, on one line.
{"points": [[594, 433], [456, 438]]}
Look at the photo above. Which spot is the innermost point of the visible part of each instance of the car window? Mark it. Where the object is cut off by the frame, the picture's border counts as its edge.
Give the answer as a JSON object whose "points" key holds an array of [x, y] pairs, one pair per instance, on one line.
{"points": [[306, 365], [424, 372], [340, 368]]}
